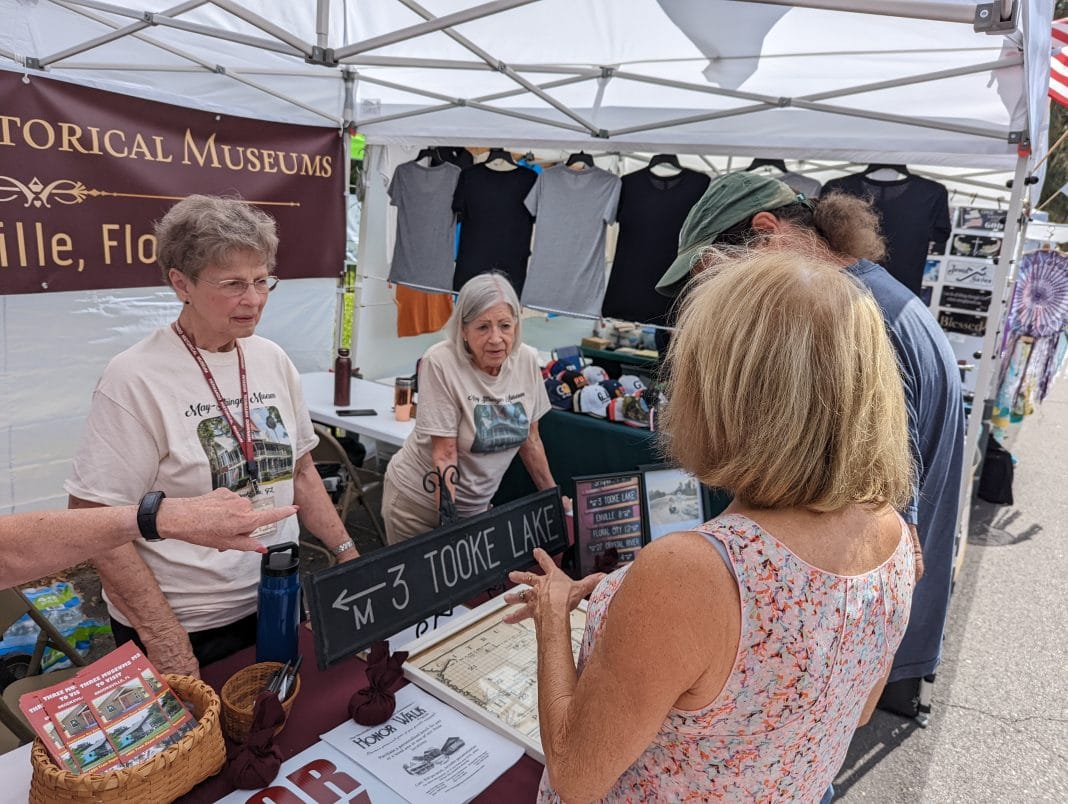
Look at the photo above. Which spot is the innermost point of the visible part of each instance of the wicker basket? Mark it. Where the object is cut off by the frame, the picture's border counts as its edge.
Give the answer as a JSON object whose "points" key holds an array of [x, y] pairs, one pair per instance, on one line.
{"points": [[166, 776], [239, 695]]}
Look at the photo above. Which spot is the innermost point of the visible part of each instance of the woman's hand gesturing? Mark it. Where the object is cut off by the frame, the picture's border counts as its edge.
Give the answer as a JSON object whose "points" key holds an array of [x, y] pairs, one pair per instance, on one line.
{"points": [[549, 594]]}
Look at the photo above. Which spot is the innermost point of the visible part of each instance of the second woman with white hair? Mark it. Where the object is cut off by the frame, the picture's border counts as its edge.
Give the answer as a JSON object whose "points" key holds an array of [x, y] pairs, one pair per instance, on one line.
{"points": [[481, 395]]}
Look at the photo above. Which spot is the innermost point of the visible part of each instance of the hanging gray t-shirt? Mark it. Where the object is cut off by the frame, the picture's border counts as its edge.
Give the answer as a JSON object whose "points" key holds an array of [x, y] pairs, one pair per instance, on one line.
{"points": [[426, 225], [567, 267]]}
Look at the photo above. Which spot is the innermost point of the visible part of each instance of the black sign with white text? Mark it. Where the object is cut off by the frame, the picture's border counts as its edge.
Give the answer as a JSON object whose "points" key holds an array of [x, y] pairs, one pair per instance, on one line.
{"points": [[961, 298], [375, 596]]}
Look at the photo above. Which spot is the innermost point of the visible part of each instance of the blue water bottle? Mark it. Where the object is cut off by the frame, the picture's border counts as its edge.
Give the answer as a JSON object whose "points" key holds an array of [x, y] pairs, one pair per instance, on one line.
{"points": [[279, 605]]}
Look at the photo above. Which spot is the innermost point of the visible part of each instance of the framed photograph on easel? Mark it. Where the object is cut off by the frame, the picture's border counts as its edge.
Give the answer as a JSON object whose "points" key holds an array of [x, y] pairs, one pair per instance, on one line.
{"points": [[674, 500], [610, 523]]}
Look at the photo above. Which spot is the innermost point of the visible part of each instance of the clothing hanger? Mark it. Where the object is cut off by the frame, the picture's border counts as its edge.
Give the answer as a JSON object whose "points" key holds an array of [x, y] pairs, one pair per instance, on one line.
{"points": [[427, 153], [665, 159], [875, 168], [500, 159], [580, 158], [778, 164]]}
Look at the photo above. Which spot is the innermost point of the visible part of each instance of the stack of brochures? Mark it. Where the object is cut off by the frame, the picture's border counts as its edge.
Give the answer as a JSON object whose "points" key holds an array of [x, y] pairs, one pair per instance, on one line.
{"points": [[114, 713]]}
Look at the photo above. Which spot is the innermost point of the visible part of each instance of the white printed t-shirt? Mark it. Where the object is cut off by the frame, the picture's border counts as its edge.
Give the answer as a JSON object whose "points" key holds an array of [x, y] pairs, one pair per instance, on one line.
{"points": [[154, 425], [488, 416]]}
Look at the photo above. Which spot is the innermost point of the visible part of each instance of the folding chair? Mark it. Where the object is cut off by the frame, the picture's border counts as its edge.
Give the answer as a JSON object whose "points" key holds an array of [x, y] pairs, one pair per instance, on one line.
{"points": [[13, 604], [350, 489]]}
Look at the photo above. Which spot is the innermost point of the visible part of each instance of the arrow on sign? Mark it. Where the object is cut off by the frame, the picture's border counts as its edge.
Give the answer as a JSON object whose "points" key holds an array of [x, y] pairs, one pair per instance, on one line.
{"points": [[342, 602]]}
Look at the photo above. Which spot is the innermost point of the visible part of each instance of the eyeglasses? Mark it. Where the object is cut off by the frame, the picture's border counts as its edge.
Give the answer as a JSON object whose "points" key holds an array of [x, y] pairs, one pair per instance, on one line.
{"points": [[238, 287]]}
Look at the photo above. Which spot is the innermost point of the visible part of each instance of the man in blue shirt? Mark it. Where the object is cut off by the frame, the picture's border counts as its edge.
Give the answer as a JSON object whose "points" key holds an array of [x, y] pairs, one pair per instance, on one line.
{"points": [[744, 210]]}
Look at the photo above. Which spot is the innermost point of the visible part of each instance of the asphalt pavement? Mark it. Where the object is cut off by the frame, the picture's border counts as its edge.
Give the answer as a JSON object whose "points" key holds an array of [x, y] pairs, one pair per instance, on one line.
{"points": [[998, 730]]}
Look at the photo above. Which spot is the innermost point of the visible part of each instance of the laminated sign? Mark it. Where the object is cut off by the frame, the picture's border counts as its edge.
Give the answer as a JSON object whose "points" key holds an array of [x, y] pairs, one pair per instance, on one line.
{"points": [[374, 597]]}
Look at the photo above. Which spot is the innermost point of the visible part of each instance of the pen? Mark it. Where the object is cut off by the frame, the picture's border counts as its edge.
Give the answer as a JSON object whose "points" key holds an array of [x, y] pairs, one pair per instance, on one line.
{"points": [[287, 683], [276, 679]]}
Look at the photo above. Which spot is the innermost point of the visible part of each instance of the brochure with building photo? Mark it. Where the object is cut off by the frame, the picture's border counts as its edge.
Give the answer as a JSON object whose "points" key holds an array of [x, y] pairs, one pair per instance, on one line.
{"points": [[116, 712], [427, 751]]}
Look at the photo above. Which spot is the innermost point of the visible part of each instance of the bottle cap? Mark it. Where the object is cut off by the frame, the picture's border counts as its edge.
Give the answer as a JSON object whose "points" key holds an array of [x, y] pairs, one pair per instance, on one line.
{"points": [[280, 560], [343, 352]]}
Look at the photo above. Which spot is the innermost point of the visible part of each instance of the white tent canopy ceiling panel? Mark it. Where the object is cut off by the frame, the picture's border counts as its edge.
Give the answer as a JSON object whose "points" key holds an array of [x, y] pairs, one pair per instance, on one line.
{"points": [[695, 76]]}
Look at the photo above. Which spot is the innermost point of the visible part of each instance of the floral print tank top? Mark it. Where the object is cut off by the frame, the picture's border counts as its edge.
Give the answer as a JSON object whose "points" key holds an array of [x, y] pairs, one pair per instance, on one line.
{"points": [[812, 646]]}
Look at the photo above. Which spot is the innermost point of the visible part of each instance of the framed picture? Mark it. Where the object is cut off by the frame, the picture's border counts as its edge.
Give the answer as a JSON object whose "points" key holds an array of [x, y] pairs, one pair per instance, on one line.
{"points": [[674, 500], [610, 523], [488, 669]]}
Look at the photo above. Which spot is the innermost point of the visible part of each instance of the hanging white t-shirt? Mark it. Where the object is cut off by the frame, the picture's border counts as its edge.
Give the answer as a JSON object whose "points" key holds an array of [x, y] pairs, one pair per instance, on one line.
{"points": [[488, 416], [154, 425]]}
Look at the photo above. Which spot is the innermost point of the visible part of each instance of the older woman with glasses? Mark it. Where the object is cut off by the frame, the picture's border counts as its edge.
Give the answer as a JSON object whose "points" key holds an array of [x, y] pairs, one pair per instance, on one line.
{"points": [[201, 404]]}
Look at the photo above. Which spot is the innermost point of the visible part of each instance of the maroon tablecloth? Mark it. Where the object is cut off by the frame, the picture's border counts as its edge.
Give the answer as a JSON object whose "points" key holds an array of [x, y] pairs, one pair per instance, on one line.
{"points": [[321, 705]]}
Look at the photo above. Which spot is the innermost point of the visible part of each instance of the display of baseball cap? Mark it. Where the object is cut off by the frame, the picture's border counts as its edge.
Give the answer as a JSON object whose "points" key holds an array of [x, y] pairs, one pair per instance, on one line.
{"points": [[592, 400], [573, 379], [559, 394], [632, 385], [728, 201], [614, 387], [594, 374], [554, 368], [630, 410]]}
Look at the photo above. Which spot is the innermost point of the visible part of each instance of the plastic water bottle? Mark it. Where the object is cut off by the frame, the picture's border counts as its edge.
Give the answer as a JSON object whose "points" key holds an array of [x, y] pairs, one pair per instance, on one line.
{"points": [[279, 604]]}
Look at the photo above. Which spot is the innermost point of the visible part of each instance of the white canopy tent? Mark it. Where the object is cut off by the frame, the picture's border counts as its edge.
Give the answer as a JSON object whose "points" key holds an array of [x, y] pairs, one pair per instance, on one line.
{"points": [[956, 86]]}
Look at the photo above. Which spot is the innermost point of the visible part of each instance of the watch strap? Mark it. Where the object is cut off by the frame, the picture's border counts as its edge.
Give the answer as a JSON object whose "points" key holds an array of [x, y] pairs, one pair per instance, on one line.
{"points": [[146, 516]]}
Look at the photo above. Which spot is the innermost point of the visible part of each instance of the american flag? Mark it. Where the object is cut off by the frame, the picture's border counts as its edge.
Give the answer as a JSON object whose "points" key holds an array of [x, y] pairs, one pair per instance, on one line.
{"points": [[1058, 74]]}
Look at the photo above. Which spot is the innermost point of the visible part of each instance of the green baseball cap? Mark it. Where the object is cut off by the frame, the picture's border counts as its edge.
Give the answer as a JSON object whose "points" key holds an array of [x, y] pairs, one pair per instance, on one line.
{"points": [[729, 200]]}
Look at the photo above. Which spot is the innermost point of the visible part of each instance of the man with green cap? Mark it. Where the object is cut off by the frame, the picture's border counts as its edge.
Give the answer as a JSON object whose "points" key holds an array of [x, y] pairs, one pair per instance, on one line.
{"points": [[748, 210]]}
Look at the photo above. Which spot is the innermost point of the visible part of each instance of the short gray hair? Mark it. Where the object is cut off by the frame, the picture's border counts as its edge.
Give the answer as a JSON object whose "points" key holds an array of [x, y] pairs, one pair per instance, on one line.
{"points": [[203, 230], [476, 296]]}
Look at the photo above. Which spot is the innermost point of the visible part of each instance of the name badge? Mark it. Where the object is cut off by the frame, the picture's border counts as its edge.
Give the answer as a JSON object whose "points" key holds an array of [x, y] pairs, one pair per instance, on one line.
{"points": [[259, 502]]}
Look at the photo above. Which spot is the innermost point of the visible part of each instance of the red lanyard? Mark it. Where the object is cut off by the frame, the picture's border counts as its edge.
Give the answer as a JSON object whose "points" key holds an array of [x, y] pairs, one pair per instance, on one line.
{"points": [[247, 447]]}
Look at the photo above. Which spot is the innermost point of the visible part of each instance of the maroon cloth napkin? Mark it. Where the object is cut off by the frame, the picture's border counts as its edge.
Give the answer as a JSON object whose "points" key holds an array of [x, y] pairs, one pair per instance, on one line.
{"points": [[376, 703], [256, 762]]}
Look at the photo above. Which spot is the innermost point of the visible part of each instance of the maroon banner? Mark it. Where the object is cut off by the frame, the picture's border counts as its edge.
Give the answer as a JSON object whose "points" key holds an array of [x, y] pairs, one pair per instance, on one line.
{"points": [[85, 173]]}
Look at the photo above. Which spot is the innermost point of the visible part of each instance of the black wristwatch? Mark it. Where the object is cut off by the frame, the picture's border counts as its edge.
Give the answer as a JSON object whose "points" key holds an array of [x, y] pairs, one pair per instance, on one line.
{"points": [[146, 516]]}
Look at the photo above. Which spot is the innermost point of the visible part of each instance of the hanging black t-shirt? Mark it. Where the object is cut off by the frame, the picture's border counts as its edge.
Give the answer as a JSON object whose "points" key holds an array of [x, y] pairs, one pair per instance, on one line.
{"points": [[651, 212], [495, 225], [914, 212]]}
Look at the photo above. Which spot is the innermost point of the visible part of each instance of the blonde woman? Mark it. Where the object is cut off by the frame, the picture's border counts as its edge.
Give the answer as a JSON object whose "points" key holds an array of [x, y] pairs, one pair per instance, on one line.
{"points": [[735, 661]]}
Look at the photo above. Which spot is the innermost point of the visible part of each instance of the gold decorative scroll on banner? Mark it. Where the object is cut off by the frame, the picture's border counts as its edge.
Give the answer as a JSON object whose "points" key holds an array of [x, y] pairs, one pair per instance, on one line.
{"points": [[84, 174]]}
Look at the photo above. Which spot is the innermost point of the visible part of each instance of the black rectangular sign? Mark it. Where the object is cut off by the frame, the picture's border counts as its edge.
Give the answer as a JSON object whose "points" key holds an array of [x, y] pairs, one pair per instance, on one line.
{"points": [[965, 298], [962, 323], [375, 596]]}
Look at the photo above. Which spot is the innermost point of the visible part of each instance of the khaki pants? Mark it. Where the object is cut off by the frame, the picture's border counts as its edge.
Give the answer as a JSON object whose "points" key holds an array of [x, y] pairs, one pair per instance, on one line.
{"points": [[403, 516]]}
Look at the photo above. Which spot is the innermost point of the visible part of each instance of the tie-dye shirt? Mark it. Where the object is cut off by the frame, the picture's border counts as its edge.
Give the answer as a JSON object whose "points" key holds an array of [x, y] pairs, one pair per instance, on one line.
{"points": [[812, 646]]}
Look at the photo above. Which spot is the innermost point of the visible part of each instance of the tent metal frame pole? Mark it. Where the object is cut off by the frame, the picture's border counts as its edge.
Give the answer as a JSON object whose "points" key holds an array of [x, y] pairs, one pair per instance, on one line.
{"points": [[210, 68], [886, 117], [265, 25], [956, 72], [505, 70], [495, 96], [430, 26], [984, 392], [946, 12], [803, 102], [475, 104], [322, 30], [366, 60], [118, 33], [258, 42]]}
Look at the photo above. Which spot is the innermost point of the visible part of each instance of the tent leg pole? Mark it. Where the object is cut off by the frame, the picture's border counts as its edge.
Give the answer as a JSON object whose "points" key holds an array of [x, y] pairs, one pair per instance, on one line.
{"points": [[988, 362]]}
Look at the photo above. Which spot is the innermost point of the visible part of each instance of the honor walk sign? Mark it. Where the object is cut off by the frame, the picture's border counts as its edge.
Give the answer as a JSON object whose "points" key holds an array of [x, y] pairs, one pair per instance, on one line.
{"points": [[360, 602]]}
